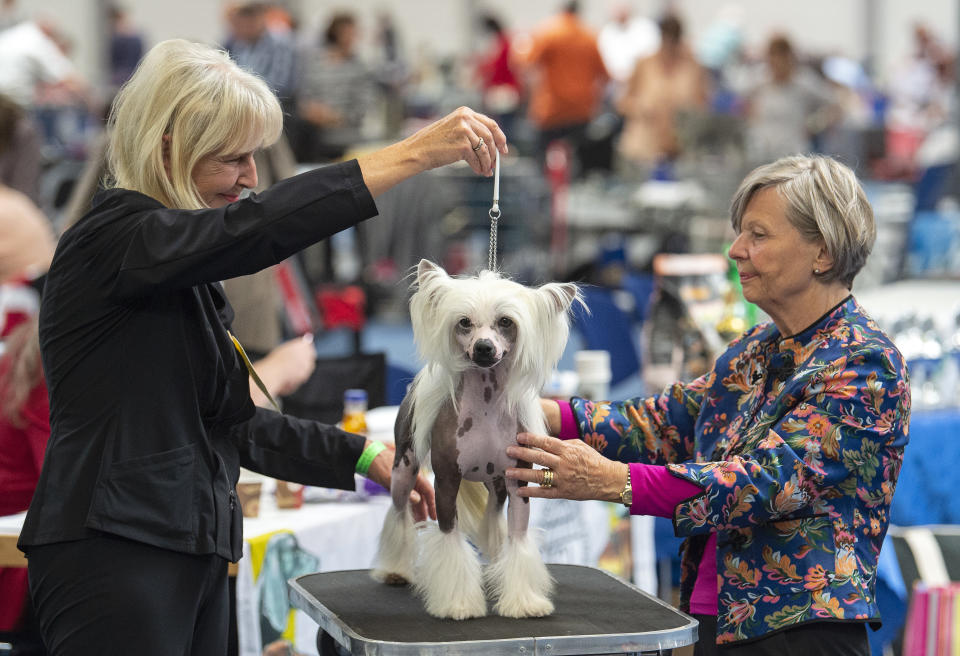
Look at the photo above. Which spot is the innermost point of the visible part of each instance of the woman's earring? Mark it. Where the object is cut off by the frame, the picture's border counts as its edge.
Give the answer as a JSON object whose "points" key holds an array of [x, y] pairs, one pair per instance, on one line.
{"points": [[816, 270]]}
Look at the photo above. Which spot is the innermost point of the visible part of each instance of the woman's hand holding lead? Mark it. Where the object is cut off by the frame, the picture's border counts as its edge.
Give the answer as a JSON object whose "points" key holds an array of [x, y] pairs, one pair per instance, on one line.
{"points": [[461, 135], [579, 471]]}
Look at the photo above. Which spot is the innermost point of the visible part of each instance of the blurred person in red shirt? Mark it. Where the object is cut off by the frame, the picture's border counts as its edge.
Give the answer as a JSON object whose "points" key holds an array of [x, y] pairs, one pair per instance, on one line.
{"points": [[499, 83], [24, 430]]}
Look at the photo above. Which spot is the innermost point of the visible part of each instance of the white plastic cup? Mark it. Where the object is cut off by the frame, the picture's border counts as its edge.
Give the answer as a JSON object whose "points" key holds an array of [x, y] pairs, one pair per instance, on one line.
{"points": [[593, 370]]}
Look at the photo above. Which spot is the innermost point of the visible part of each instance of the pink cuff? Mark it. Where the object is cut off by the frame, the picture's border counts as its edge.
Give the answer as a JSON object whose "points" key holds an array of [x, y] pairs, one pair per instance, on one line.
{"points": [[703, 600], [656, 491], [568, 423]]}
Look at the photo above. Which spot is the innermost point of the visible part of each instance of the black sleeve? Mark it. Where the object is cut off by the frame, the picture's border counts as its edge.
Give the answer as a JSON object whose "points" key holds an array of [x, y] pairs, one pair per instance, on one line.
{"points": [[298, 450], [167, 249]]}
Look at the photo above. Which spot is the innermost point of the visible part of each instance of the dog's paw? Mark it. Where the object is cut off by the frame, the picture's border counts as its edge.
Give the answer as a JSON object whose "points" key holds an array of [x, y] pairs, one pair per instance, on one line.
{"points": [[391, 578], [464, 608], [523, 605]]}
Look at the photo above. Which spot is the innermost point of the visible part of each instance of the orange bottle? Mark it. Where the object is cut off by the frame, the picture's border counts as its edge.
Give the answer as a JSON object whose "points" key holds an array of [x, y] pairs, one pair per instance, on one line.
{"points": [[355, 411]]}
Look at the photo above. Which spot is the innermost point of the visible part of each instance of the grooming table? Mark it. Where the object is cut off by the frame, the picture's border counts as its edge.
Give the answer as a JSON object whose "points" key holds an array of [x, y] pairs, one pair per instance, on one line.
{"points": [[596, 613]]}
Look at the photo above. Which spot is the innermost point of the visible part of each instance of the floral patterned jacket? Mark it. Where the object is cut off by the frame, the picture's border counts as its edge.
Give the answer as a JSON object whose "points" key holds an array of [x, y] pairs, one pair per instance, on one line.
{"points": [[797, 443]]}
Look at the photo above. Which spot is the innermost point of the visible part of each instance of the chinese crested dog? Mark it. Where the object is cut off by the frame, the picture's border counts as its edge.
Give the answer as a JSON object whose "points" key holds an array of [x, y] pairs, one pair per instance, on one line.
{"points": [[489, 345]]}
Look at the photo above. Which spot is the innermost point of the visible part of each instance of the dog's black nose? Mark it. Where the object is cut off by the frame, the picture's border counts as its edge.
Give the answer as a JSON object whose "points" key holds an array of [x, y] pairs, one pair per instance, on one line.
{"points": [[483, 349]]}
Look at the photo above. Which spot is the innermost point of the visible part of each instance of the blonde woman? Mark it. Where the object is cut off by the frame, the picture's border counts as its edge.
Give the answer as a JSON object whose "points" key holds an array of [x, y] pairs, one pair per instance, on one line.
{"points": [[135, 516]]}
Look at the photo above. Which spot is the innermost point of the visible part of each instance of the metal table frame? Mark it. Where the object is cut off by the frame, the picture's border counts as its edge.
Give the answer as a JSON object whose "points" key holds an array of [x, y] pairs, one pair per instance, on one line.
{"points": [[644, 642]]}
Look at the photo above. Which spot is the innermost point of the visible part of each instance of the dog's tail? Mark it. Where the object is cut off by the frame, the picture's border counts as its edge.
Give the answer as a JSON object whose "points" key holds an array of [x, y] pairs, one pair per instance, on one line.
{"points": [[471, 506]]}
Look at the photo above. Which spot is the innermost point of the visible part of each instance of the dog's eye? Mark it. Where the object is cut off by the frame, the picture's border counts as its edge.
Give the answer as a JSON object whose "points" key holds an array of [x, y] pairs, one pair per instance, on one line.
{"points": [[505, 322], [465, 323]]}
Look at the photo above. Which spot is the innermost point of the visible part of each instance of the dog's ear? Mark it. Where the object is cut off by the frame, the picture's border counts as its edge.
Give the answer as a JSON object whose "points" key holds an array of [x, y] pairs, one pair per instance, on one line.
{"points": [[561, 295], [426, 267]]}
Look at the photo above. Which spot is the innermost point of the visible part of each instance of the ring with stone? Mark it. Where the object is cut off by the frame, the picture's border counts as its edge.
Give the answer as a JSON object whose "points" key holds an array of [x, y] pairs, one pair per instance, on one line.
{"points": [[479, 145]]}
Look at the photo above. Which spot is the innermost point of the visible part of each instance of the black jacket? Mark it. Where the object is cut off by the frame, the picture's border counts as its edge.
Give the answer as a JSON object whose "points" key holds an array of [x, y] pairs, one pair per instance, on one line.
{"points": [[150, 411]]}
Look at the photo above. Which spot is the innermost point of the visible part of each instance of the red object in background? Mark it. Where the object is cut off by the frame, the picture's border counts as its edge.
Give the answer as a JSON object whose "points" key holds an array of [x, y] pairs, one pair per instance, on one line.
{"points": [[456, 258], [21, 458], [557, 164], [295, 298], [899, 162], [342, 307]]}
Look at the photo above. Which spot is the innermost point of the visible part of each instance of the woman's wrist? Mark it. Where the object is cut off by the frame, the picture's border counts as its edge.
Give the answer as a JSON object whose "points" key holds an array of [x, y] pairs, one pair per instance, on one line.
{"points": [[389, 166], [551, 415], [369, 454], [614, 481]]}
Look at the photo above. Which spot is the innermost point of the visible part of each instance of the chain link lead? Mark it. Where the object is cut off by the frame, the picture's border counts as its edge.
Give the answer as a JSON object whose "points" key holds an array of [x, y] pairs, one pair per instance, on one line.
{"points": [[494, 218]]}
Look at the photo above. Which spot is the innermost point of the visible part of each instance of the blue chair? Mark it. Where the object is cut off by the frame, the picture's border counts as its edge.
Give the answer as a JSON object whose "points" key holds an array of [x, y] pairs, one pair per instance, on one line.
{"points": [[398, 378], [640, 286], [608, 328], [930, 186]]}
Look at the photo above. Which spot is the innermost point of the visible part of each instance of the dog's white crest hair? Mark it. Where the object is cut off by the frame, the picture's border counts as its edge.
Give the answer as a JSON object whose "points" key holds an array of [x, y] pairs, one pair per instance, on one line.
{"points": [[543, 325]]}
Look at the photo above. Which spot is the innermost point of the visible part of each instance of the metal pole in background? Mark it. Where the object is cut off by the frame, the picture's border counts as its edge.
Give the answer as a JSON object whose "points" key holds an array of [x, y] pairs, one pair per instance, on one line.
{"points": [[872, 11]]}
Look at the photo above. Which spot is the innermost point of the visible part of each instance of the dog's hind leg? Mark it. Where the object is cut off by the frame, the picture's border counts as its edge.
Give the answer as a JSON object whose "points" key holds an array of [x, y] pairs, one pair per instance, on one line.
{"points": [[397, 551], [493, 530], [449, 578], [518, 578]]}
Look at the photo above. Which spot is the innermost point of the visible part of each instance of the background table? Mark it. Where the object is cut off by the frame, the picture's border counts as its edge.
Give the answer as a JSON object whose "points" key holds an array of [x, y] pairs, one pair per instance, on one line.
{"points": [[596, 613], [343, 536], [10, 526]]}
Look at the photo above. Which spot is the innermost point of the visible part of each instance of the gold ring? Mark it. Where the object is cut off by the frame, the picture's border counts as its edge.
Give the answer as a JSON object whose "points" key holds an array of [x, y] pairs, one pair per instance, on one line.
{"points": [[547, 478], [479, 145]]}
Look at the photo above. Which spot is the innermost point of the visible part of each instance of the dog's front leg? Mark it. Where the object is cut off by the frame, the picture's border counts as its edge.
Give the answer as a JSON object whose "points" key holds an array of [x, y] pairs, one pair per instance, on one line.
{"points": [[449, 578], [397, 550], [518, 578]]}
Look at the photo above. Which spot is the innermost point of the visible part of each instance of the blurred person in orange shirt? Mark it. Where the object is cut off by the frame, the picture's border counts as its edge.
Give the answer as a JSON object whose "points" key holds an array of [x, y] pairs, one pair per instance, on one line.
{"points": [[568, 77]]}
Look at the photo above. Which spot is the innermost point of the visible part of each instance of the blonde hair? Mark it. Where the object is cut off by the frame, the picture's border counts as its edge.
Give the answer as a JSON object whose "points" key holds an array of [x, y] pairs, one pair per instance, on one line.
{"points": [[202, 102], [824, 201]]}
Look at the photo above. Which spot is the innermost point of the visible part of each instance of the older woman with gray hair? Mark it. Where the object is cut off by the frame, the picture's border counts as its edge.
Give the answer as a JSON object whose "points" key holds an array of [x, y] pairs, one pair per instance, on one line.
{"points": [[779, 464], [135, 516]]}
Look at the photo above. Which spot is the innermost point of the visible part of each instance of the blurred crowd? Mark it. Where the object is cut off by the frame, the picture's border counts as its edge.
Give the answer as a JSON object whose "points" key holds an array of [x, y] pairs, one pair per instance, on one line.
{"points": [[633, 99]]}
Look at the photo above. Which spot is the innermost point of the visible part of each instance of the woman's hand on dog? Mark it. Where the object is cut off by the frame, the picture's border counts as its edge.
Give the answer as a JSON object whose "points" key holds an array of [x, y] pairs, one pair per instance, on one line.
{"points": [[579, 471], [423, 502]]}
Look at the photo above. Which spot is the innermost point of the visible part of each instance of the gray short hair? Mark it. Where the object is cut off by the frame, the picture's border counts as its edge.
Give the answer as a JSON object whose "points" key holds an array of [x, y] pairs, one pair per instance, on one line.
{"points": [[824, 201]]}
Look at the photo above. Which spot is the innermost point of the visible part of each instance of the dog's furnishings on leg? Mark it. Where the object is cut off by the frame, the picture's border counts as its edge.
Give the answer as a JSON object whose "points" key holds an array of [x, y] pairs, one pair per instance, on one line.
{"points": [[397, 551], [519, 580], [449, 578]]}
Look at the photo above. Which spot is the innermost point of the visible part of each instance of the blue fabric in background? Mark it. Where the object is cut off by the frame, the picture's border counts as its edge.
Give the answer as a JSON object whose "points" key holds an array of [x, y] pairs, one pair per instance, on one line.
{"points": [[607, 327], [927, 488], [926, 494], [891, 599]]}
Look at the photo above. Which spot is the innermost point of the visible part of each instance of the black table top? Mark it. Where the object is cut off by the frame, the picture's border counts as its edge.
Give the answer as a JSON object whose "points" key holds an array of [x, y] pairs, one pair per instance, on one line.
{"points": [[595, 613]]}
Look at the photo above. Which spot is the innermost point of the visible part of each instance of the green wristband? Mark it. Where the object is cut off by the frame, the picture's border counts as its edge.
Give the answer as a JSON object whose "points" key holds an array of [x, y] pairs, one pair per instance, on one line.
{"points": [[366, 458]]}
